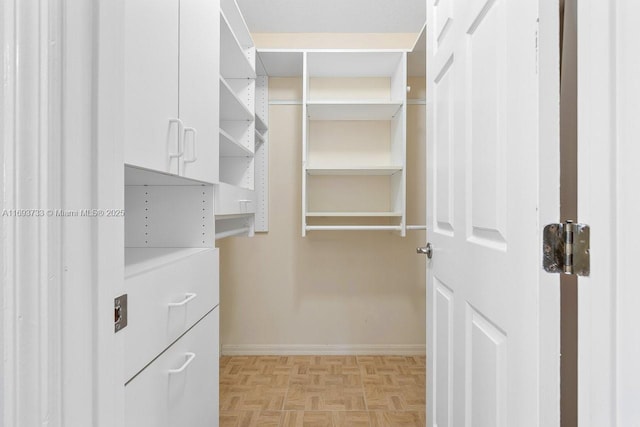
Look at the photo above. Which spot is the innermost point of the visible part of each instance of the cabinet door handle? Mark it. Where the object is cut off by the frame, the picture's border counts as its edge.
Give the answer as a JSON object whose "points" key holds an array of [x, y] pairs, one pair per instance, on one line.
{"points": [[178, 144], [193, 141], [190, 357], [188, 297]]}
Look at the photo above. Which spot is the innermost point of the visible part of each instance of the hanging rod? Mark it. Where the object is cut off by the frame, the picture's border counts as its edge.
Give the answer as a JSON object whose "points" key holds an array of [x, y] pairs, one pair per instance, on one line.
{"points": [[416, 227], [230, 233], [353, 227]]}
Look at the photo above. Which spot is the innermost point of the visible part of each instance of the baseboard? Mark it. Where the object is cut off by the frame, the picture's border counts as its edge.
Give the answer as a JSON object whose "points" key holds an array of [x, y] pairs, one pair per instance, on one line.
{"points": [[323, 350]]}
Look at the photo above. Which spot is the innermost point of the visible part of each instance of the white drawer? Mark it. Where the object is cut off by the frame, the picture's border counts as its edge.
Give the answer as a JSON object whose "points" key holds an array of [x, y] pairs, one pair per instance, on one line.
{"points": [[168, 291], [232, 200], [180, 388]]}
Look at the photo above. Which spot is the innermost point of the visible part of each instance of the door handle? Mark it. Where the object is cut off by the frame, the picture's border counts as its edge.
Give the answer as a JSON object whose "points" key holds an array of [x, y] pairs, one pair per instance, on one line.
{"points": [[426, 250], [178, 153], [188, 297], [190, 357], [193, 141]]}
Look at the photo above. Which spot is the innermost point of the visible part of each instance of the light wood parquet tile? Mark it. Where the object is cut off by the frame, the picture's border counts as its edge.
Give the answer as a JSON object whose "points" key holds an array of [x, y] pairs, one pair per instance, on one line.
{"points": [[252, 398], [322, 390], [397, 419], [324, 398], [307, 419], [351, 419], [395, 398], [251, 418]]}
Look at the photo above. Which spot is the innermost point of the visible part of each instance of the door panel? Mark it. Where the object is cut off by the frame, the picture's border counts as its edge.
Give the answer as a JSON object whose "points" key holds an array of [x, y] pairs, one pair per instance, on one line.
{"points": [[443, 11], [443, 122], [486, 374], [151, 84], [492, 313], [485, 68], [443, 306], [199, 87]]}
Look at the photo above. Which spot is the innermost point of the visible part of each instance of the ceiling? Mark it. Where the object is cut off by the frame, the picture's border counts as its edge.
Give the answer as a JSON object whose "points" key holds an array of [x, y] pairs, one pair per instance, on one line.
{"points": [[333, 16]]}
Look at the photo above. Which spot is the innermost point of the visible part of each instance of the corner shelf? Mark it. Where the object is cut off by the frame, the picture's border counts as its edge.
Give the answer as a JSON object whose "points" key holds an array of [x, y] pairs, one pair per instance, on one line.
{"points": [[231, 107], [260, 124], [229, 147], [236, 63], [234, 196], [259, 138]]}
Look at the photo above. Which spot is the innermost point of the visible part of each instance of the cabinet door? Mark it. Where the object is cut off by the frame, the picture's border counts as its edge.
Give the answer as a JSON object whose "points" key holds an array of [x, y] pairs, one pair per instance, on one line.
{"points": [[199, 87], [151, 84], [180, 387], [165, 301]]}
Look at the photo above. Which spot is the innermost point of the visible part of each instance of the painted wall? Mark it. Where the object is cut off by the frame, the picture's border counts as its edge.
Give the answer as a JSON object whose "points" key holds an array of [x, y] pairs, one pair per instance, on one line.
{"points": [[342, 291]]}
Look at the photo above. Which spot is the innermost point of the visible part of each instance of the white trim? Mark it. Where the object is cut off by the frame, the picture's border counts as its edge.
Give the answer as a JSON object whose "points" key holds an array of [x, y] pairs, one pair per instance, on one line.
{"points": [[323, 350], [608, 62], [60, 361]]}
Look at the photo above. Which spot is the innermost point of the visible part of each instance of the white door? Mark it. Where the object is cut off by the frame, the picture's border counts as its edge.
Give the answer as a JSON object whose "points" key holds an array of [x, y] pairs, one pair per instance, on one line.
{"points": [[199, 88], [609, 201], [151, 84], [492, 183]]}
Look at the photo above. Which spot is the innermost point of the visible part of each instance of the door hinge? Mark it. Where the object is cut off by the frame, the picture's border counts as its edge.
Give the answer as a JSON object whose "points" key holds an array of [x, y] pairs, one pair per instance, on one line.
{"points": [[566, 248], [120, 313]]}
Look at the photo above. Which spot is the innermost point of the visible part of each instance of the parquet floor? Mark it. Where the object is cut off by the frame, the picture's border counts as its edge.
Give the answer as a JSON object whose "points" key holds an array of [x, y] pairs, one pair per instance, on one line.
{"points": [[332, 391]]}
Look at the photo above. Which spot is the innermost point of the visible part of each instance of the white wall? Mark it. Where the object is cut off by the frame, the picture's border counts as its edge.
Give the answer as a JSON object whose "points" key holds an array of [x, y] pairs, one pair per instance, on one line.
{"points": [[344, 291]]}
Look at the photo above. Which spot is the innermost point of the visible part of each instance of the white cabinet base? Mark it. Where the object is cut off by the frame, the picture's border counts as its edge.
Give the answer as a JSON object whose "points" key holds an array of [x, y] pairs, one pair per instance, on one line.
{"points": [[180, 387]]}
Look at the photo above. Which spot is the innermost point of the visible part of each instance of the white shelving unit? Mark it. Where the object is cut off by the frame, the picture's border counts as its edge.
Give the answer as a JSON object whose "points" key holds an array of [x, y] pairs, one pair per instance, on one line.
{"points": [[354, 140], [240, 129], [261, 157], [171, 280], [171, 150]]}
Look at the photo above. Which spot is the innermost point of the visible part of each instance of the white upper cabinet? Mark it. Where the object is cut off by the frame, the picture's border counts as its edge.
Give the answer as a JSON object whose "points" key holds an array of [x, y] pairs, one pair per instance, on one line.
{"points": [[199, 89], [152, 133], [171, 113]]}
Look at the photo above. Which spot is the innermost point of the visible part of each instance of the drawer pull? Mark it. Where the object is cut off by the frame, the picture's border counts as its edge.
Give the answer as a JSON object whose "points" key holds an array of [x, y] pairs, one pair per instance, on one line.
{"points": [[190, 357], [188, 297]]}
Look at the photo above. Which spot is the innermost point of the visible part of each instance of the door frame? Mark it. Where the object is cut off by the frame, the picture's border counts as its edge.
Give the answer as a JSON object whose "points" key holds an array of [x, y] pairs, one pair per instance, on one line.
{"points": [[608, 111], [60, 151]]}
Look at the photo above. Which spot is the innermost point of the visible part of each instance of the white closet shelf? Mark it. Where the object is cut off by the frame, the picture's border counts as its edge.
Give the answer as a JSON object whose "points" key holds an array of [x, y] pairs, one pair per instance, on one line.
{"points": [[235, 62], [261, 125], [232, 107], [243, 231], [259, 137], [353, 64], [140, 260], [362, 170], [234, 225], [237, 22], [352, 110], [229, 147], [354, 214]]}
